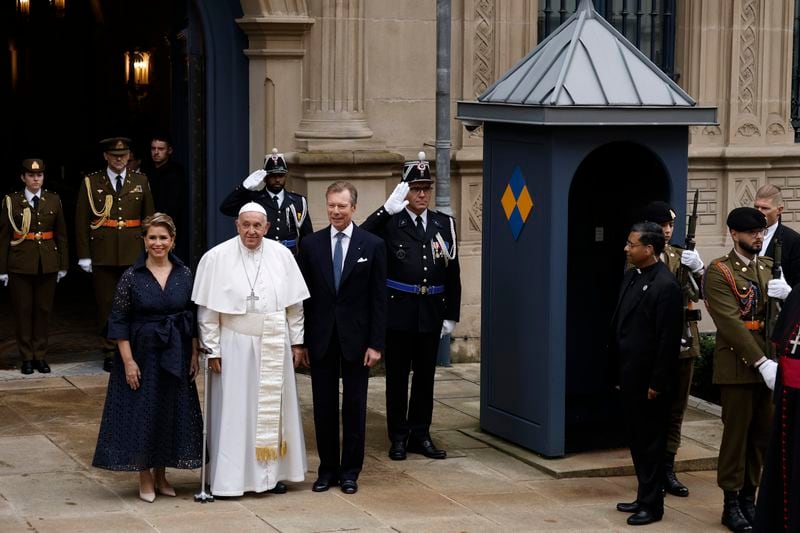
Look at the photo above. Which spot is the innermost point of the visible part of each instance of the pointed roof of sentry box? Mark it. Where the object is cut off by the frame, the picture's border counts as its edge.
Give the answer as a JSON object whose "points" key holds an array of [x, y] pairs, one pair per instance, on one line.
{"points": [[586, 61], [586, 73]]}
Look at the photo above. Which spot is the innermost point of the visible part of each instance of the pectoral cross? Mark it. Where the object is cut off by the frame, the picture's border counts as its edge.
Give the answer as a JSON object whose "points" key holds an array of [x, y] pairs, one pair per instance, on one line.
{"points": [[251, 301], [796, 341]]}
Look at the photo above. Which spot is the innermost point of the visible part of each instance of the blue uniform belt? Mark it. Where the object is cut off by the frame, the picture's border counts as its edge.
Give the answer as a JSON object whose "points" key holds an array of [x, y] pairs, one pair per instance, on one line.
{"points": [[414, 289], [291, 243]]}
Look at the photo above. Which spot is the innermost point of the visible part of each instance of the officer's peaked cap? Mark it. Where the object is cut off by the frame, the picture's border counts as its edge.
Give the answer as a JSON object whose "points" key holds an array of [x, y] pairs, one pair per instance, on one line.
{"points": [[417, 171], [275, 163]]}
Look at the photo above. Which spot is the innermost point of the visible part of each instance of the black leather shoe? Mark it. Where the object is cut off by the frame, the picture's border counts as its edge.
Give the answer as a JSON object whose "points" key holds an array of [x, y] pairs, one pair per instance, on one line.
{"points": [[632, 507], [733, 519], [279, 488], [108, 364], [673, 486], [42, 366], [323, 483], [643, 518], [747, 505], [27, 367], [349, 486], [397, 452], [427, 449]]}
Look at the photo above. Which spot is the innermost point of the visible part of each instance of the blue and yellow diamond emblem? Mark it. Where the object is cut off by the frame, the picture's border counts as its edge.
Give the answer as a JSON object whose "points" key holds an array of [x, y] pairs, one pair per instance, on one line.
{"points": [[517, 202]]}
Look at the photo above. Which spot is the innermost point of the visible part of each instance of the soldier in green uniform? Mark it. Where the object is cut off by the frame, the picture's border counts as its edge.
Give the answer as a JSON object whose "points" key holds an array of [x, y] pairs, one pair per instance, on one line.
{"points": [[33, 258], [111, 206], [675, 258], [736, 291]]}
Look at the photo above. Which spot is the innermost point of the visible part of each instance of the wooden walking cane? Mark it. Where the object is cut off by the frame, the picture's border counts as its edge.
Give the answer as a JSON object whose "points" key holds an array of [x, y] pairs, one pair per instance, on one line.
{"points": [[203, 496]]}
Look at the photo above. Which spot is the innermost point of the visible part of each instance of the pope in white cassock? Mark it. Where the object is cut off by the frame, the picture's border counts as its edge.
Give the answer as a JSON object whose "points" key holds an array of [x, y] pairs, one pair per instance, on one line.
{"points": [[250, 293]]}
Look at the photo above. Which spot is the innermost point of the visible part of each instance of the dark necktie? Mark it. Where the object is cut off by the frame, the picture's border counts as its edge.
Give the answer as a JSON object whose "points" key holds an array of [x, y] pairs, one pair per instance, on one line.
{"points": [[275, 202], [337, 261], [119, 184], [420, 228], [35, 203]]}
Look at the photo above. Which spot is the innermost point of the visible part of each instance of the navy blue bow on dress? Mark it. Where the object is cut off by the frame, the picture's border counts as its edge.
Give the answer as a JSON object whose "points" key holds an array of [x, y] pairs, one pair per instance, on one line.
{"points": [[170, 329]]}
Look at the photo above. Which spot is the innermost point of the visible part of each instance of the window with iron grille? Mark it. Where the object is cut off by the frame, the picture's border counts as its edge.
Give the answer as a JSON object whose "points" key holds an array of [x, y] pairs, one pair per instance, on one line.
{"points": [[648, 24]]}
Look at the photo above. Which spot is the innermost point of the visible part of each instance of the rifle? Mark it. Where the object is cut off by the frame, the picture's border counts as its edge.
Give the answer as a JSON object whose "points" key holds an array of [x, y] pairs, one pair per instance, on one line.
{"points": [[691, 292], [774, 304]]}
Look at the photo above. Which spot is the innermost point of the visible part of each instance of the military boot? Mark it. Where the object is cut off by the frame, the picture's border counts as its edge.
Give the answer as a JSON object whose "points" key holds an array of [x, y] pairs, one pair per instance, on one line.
{"points": [[747, 503], [732, 516], [671, 483]]}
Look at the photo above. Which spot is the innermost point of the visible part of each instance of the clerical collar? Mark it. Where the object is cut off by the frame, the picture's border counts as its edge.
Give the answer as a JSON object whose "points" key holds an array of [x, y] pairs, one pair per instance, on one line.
{"points": [[348, 231], [645, 270], [744, 259], [29, 195]]}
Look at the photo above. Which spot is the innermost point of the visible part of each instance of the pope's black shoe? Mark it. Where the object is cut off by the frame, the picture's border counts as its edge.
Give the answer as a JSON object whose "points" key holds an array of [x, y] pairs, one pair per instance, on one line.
{"points": [[279, 488], [349, 486], [42, 366], [642, 518], [27, 367], [397, 451], [732, 516], [427, 449], [632, 507], [108, 364], [324, 483]]}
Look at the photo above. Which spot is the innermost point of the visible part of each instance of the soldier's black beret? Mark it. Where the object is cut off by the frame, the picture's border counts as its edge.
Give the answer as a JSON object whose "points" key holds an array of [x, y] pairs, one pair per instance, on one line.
{"points": [[746, 219], [275, 163], [658, 212], [418, 171], [32, 165]]}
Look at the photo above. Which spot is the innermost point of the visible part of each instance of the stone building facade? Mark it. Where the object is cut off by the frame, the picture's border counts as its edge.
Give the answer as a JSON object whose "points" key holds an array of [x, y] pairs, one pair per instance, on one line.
{"points": [[347, 89]]}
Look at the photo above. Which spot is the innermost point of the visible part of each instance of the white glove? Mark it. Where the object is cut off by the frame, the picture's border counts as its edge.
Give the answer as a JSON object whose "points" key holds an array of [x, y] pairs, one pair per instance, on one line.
{"points": [[768, 370], [778, 288], [397, 200], [4, 279], [447, 328], [60, 275], [85, 264], [691, 260], [255, 181]]}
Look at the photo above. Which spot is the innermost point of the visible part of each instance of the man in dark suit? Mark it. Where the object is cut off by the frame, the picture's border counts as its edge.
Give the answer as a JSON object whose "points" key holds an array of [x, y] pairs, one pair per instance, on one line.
{"points": [[646, 342], [424, 304], [769, 201], [287, 212], [345, 326]]}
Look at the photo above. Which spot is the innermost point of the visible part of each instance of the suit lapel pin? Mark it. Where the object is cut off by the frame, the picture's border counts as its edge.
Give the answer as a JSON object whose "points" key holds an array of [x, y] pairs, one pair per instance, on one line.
{"points": [[644, 288]]}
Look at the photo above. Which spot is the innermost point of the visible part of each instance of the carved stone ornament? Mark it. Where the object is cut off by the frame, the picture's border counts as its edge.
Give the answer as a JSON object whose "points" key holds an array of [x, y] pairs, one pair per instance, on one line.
{"points": [[748, 130]]}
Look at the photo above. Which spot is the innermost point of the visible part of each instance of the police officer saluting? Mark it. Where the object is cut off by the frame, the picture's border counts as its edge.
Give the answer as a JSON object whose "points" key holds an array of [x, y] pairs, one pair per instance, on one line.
{"points": [[33, 258], [111, 206], [423, 278], [287, 212]]}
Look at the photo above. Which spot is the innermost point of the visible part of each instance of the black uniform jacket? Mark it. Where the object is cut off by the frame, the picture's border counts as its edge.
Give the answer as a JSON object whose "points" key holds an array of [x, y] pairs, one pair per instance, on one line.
{"points": [[416, 261], [790, 252], [358, 310], [647, 329], [283, 226]]}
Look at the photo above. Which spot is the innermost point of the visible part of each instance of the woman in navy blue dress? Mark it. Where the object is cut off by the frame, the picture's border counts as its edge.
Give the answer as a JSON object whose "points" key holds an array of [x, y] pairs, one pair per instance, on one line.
{"points": [[152, 417]]}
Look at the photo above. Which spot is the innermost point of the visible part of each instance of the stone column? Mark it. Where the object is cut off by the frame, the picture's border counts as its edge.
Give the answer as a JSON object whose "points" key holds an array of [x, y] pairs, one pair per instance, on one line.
{"points": [[276, 32], [334, 115]]}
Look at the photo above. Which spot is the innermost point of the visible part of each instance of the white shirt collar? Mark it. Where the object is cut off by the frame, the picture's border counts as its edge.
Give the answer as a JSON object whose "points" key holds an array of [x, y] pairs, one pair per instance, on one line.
{"points": [[113, 175], [348, 231], [280, 196], [414, 216], [771, 230], [29, 195]]}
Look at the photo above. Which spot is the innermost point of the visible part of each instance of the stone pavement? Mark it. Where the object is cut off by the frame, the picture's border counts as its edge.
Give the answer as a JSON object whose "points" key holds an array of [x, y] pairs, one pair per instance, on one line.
{"points": [[48, 430]]}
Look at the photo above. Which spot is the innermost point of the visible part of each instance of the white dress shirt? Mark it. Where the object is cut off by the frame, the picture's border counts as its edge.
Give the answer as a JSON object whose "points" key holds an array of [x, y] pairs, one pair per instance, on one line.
{"points": [[280, 196], [768, 237], [348, 233], [113, 177], [29, 195], [414, 216]]}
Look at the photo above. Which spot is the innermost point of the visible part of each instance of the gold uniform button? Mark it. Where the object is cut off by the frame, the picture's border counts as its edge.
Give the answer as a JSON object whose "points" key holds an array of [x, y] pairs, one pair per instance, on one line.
{"points": [[744, 269]]}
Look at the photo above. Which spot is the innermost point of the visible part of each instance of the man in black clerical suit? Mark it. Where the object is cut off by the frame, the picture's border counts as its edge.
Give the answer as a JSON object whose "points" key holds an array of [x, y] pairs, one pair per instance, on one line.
{"points": [[769, 201], [287, 212], [345, 327], [646, 341]]}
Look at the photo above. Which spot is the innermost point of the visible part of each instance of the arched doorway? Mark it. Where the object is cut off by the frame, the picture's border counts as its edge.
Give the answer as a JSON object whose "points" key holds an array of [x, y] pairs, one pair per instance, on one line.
{"points": [[63, 88], [608, 188]]}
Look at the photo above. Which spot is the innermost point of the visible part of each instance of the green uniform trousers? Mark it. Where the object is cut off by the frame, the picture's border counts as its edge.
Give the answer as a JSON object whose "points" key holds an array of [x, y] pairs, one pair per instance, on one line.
{"points": [[32, 301], [679, 402], [747, 415]]}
